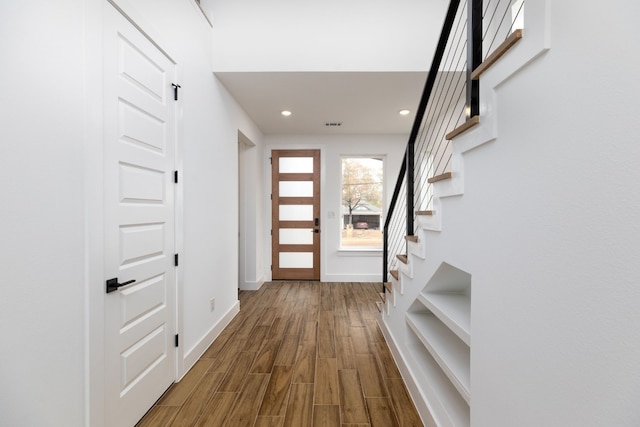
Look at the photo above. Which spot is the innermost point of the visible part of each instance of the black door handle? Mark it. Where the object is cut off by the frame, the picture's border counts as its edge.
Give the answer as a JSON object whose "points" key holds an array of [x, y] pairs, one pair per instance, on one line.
{"points": [[113, 285]]}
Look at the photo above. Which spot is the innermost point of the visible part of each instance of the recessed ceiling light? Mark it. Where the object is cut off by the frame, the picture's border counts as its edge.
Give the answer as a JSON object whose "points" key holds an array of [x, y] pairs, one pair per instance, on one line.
{"points": [[404, 112], [285, 113]]}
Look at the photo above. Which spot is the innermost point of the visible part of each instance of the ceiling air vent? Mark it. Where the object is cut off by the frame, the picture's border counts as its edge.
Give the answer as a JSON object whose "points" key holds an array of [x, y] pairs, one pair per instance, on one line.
{"points": [[333, 124]]}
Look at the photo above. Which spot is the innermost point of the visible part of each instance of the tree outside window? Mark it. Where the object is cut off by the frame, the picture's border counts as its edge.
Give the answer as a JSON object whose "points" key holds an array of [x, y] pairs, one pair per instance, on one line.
{"points": [[362, 196]]}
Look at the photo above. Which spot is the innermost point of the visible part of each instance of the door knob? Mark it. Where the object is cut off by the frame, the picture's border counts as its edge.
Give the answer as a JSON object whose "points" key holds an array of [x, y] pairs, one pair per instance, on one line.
{"points": [[113, 285]]}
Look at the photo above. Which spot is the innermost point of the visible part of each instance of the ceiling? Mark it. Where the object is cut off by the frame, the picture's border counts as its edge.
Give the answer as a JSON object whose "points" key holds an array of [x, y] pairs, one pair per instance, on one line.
{"points": [[363, 102]]}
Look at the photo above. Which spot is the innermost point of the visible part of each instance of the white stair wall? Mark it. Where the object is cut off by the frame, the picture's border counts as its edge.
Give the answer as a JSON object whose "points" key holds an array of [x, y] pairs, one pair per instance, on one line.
{"points": [[429, 326]]}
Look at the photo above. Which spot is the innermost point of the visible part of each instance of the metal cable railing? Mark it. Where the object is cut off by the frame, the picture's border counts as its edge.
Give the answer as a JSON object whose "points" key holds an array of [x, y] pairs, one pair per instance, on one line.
{"points": [[395, 223], [445, 112], [471, 31], [397, 228], [500, 18]]}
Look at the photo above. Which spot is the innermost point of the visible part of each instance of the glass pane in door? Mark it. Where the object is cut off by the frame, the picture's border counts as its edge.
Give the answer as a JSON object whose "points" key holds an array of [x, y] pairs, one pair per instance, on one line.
{"points": [[296, 165], [296, 212], [296, 188], [296, 236], [296, 259]]}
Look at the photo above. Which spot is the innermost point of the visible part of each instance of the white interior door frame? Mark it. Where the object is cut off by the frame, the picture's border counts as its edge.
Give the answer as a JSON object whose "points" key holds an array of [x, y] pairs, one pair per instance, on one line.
{"points": [[247, 215]]}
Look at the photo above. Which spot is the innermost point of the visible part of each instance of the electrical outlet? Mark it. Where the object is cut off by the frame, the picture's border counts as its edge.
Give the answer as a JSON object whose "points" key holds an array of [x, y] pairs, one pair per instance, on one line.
{"points": [[213, 304]]}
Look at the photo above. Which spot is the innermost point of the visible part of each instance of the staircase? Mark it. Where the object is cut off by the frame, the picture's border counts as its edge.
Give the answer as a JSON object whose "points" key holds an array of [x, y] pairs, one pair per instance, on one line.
{"points": [[427, 312]]}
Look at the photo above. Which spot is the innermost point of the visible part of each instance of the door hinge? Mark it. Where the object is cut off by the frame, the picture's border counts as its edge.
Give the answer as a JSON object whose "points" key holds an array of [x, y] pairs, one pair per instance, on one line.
{"points": [[175, 91], [271, 195], [270, 160], [175, 260], [272, 268], [177, 341], [175, 177]]}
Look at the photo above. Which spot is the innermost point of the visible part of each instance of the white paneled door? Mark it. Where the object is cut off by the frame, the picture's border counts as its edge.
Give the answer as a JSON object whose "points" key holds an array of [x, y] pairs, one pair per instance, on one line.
{"points": [[295, 194], [139, 152]]}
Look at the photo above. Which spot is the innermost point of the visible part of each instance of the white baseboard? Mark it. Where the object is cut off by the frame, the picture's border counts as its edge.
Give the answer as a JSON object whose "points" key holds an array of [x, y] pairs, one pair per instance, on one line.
{"points": [[376, 278], [252, 286], [193, 354], [405, 371]]}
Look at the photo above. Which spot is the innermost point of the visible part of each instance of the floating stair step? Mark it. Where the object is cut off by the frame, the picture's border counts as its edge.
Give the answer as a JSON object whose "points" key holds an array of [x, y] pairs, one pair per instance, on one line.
{"points": [[413, 239], [424, 213], [446, 175], [388, 286], [383, 296], [403, 259], [497, 54], [473, 121], [379, 305], [395, 274]]}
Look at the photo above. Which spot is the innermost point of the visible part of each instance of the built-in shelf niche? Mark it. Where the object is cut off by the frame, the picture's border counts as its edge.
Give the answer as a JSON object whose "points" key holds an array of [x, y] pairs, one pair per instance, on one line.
{"points": [[440, 320]]}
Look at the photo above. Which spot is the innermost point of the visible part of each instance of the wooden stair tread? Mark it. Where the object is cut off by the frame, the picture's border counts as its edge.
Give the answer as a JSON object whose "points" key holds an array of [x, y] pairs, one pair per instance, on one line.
{"points": [[413, 239], [446, 175], [395, 274], [403, 258], [424, 213], [497, 54], [379, 305], [463, 128], [388, 286]]}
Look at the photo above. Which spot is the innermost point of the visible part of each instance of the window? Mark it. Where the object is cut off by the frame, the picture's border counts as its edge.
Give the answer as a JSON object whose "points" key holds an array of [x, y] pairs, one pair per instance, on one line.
{"points": [[362, 201]]}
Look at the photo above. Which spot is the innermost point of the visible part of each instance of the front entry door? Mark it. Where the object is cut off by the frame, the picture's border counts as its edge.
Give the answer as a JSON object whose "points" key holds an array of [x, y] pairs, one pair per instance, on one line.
{"points": [[139, 235], [295, 211]]}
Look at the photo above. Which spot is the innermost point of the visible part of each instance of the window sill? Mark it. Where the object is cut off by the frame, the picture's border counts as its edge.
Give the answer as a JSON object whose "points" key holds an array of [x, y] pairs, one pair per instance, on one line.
{"points": [[363, 252]]}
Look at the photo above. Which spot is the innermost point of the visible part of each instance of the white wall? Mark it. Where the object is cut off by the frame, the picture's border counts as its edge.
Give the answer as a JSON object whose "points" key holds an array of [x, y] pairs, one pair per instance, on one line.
{"points": [[337, 266], [51, 229], [42, 220], [559, 188], [290, 35], [548, 228]]}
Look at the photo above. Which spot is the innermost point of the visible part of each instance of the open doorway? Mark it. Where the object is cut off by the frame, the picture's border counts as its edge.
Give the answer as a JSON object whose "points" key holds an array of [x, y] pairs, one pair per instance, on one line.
{"points": [[250, 211]]}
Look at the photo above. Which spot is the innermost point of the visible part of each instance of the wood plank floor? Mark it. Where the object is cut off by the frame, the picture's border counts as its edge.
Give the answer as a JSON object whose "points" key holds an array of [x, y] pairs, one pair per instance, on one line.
{"points": [[298, 354]]}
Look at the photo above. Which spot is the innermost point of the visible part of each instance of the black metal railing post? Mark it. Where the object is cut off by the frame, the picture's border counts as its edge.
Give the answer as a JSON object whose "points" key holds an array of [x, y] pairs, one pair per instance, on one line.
{"points": [[474, 55], [385, 255], [410, 186]]}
